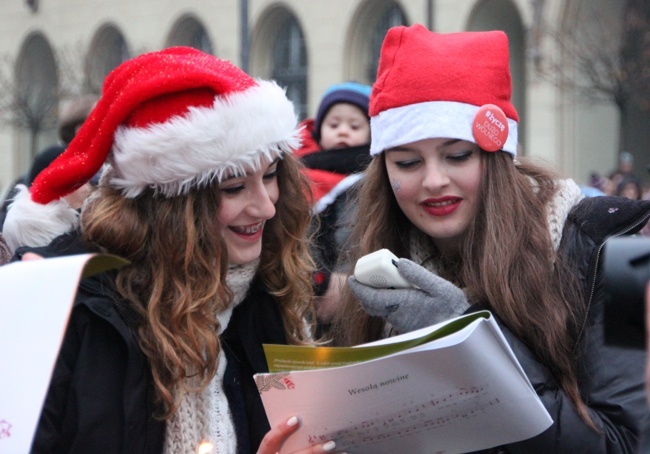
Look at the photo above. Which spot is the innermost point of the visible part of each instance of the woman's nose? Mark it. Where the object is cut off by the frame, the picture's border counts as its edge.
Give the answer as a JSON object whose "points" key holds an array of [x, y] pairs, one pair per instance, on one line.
{"points": [[436, 176], [262, 203]]}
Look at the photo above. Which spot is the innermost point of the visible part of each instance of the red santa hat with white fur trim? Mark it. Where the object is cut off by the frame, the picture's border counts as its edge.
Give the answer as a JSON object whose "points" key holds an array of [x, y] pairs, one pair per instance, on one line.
{"points": [[432, 85], [167, 121]]}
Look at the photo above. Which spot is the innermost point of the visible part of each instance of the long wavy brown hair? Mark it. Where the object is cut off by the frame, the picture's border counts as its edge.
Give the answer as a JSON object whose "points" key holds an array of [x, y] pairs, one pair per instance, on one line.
{"points": [[176, 282], [506, 262]]}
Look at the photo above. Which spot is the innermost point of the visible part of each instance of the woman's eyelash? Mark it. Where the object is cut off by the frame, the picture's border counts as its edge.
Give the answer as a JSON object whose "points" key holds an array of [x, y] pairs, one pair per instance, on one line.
{"points": [[271, 175], [233, 190], [461, 156], [406, 164]]}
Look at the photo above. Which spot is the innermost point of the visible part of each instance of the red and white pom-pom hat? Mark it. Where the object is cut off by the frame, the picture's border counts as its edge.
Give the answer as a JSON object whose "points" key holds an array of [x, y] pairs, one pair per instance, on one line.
{"points": [[168, 121], [453, 85]]}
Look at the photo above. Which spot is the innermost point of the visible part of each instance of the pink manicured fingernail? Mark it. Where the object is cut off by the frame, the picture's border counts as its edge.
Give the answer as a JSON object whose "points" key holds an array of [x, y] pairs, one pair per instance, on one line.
{"points": [[292, 421], [329, 446]]}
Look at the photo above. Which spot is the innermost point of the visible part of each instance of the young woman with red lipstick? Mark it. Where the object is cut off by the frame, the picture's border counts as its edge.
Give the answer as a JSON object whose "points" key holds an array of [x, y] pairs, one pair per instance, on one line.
{"points": [[201, 194], [477, 227]]}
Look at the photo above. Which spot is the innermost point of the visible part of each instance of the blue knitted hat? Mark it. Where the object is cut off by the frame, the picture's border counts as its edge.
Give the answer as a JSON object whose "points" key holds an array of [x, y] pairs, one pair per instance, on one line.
{"points": [[347, 92]]}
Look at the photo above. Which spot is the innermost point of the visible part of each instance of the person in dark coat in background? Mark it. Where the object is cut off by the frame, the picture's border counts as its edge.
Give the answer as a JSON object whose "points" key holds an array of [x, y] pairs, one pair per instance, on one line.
{"points": [[201, 194], [478, 227]]}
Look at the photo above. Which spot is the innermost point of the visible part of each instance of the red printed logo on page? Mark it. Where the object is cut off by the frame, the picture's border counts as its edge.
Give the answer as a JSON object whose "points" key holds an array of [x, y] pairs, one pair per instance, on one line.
{"points": [[490, 127], [287, 381], [5, 429]]}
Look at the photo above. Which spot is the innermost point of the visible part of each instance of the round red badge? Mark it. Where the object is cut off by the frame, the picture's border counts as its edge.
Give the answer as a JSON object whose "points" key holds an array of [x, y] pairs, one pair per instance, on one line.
{"points": [[490, 127]]}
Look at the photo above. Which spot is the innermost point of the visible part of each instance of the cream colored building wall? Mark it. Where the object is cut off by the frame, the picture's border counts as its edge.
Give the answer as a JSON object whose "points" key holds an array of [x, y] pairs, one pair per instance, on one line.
{"points": [[586, 133], [545, 138], [559, 129], [145, 24], [451, 16]]}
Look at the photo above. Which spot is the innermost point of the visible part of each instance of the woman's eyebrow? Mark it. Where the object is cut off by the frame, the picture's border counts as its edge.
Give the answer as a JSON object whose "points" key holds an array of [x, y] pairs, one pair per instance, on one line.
{"points": [[401, 148], [446, 143], [449, 142], [275, 161]]}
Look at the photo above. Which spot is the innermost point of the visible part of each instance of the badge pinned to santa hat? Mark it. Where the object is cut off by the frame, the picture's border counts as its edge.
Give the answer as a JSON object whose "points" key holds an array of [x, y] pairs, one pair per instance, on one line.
{"points": [[453, 85], [167, 121]]}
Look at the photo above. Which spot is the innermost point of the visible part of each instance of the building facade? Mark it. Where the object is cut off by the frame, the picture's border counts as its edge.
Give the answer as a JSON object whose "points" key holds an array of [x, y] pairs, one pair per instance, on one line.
{"points": [[55, 49]]}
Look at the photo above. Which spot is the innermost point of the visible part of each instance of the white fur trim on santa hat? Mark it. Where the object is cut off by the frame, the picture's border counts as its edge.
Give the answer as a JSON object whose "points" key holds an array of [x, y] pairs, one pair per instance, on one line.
{"points": [[429, 120], [231, 137], [342, 186], [33, 224]]}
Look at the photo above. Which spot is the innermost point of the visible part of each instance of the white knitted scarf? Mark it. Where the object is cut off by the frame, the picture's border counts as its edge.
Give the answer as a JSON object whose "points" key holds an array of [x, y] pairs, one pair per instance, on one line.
{"points": [[205, 416], [567, 196]]}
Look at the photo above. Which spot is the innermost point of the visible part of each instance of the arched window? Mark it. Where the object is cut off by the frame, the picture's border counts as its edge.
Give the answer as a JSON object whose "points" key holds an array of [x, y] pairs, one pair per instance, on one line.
{"points": [[392, 17], [369, 25], [107, 50], [35, 97], [189, 31], [289, 65]]}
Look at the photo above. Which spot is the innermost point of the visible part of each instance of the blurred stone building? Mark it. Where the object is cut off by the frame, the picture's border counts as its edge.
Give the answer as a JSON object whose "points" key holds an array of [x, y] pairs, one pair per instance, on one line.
{"points": [[54, 49]]}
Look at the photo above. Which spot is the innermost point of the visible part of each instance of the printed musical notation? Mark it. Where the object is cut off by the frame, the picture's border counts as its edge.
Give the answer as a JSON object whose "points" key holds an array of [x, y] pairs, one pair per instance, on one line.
{"points": [[412, 418]]}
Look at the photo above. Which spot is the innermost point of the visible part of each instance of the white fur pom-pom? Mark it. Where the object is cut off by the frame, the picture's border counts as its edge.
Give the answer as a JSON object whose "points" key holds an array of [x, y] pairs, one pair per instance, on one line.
{"points": [[33, 224]]}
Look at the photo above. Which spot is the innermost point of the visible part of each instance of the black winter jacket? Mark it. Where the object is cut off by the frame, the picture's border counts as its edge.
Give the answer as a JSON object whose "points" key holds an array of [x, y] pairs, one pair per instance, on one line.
{"points": [[100, 397], [611, 379]]}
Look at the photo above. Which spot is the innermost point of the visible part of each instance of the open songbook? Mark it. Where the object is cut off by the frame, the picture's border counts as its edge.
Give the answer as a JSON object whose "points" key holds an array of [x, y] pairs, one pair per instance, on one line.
{"points": [[451, 387]]}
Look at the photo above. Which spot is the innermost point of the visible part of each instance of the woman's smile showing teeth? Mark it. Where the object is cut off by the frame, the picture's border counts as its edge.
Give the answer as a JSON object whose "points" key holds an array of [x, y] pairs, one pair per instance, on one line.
{"points": [[247, 230]]}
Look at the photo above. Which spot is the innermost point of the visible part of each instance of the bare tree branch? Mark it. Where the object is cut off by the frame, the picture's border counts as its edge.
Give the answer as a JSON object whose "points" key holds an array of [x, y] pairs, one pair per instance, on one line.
{"points": [[72, 71], [32, 109], [32, 106], [601, 58]]}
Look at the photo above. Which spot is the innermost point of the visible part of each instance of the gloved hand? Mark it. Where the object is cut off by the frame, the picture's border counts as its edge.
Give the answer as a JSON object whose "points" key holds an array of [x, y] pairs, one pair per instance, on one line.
{"points": [[434, 301]]}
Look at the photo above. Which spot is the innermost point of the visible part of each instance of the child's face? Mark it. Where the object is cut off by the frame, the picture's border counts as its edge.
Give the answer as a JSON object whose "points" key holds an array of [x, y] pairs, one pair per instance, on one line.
{"points": [[345, 125]]}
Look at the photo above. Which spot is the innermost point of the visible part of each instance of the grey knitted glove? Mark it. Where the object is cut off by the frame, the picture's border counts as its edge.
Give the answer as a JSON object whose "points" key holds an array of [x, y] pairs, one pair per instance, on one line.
{"points": [[435, 299]]}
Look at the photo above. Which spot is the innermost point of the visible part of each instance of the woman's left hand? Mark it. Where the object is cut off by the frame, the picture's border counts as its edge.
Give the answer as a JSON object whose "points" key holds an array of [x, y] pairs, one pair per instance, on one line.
{"points": [[275, 438], [432, 300]]}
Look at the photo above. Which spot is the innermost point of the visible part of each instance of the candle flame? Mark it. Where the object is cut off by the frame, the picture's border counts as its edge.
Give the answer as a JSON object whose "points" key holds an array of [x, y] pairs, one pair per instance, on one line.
{"points": [[205, 448]]}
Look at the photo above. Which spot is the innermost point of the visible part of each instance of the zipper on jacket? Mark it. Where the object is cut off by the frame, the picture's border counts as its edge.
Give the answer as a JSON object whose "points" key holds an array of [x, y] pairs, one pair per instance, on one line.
{"points": [[595, 272]]}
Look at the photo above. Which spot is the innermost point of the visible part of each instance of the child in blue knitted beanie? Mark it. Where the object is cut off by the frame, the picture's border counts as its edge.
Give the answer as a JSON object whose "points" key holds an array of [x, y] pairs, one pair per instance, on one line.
{"points": [[342, 119]]}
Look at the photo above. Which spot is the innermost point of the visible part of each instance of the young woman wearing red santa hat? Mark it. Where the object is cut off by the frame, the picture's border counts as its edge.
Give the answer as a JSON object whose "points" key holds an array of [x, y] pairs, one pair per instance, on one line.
{"points": [[201, 193], [478, 227]]}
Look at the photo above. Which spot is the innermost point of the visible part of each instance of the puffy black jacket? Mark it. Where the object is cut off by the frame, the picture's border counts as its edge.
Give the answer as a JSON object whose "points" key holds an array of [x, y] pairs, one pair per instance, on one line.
{"points": [[611, 379], [100, 397]]}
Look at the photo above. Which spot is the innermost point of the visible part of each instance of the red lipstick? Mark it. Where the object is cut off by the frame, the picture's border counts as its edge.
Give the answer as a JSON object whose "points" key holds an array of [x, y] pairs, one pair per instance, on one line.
{"points": [[441, 206]]}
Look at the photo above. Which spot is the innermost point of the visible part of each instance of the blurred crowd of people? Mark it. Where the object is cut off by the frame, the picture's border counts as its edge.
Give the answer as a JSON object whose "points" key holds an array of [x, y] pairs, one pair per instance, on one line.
{"points": [[622, 181]]}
